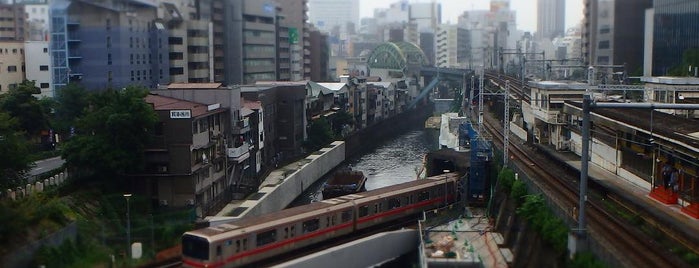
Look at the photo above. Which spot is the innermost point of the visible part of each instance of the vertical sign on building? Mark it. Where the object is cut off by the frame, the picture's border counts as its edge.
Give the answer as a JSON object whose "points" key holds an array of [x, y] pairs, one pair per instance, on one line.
{"points": [[293, 35]]}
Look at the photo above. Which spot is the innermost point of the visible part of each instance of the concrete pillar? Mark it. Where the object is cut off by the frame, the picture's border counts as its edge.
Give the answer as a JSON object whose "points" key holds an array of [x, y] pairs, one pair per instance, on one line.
{"points": [[46, 183], [29, 189], [11, 194], [20, 192], [39, 187]]}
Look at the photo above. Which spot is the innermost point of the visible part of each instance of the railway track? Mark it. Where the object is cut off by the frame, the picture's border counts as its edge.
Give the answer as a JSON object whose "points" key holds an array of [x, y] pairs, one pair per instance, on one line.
{"points": [[631, 247]]}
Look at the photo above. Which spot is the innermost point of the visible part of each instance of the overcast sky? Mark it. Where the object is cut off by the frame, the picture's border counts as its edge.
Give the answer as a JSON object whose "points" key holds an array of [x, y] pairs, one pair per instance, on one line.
{"points": [[451, 9]]}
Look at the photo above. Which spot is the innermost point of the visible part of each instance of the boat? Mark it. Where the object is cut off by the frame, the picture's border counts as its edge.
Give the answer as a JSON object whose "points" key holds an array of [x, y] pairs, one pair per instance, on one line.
{"points": [[344, 182]]}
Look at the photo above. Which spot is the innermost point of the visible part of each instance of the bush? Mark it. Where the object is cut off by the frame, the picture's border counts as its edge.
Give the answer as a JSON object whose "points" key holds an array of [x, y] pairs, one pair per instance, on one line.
{"points": [[552, 229], [585, 260], [506, 178], [519, 190]]}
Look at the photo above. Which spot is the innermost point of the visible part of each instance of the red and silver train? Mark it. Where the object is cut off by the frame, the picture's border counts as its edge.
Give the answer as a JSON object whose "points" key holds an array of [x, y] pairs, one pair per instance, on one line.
{"points": [[253, 239]]}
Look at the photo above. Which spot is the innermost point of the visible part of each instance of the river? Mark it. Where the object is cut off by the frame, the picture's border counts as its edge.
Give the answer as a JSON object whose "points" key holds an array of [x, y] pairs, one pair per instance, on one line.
{"points": [[395, 161]]}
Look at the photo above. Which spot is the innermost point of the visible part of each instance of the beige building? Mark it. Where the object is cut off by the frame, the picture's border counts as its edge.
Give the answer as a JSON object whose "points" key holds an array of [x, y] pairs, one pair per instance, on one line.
{"points": [[189, 41], [11, 65]]}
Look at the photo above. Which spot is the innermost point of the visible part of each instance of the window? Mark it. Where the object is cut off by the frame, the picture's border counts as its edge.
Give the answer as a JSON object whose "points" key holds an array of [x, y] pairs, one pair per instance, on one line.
{"points": [[393, 203], [109, 59], [363, 211], [218, 250], [109, 41], [266, 237], [46, 50], [603, 44], [44, 85], [423, 196], [310, 225], [43, 68], [346, 216], [12, 69]]}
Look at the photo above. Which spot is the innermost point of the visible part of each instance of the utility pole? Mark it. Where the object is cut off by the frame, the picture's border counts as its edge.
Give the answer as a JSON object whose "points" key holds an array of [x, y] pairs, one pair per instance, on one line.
{"points": [[128, 226], [506, 124]]}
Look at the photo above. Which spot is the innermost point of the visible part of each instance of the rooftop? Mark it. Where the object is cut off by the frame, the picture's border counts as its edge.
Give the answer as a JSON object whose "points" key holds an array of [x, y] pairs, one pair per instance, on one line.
{"points": [[162, 103], [671, 80], [194, 86]]}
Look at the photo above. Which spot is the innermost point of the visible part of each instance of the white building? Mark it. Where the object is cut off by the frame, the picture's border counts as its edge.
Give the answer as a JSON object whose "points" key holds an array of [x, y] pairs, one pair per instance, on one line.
{"points": [[37, 21], [427, 16], [453, 46], [327, 14], [38, 66]]}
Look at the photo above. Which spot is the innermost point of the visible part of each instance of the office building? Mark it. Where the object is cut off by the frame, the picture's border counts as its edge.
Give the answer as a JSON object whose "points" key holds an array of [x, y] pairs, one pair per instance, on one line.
{"points": [[12, 23], [453, 46], [107, 44], [550, 21], [329, 14], [674, 34]]}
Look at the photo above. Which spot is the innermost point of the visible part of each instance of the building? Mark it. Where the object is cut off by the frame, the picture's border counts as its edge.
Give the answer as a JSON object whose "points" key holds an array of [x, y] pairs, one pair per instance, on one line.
{"points": [[12, 70], [453, 46], [672, 36], [319, 56], [428, 45], [189, 42], [185, 165], [328, 14], [108, 44], [12, 23], [427, 16], [611, 33], [38, 66], [550, 21], [294, 18], [37, 20], [284, 118]]}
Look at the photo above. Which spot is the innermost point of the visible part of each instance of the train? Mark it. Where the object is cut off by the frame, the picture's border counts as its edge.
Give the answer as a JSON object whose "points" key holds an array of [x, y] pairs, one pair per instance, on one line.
{"points": [[251, 240]]}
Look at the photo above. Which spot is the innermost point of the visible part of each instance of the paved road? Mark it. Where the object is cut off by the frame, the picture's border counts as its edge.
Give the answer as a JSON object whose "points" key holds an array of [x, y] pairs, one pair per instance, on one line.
{"points": [[46, 165]]}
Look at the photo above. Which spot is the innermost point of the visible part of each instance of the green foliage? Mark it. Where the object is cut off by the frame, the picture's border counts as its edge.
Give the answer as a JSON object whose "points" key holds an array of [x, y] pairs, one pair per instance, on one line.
{"points": [[519, 190], [690, 57], [339, 121], [71, 104], [505, 178], [20, 103], [456, 102], [319, 134], [112, 134], [552, 229], [585, 260], [15, 152]]}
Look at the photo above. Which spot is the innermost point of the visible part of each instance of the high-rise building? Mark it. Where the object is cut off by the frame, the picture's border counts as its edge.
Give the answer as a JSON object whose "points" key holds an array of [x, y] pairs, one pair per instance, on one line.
{"points": [[320, 55], [37, 21], [12, 23], [612, 33], [328, 14], [427, 16], [674, 34], [293, 14], [550, 19], [453, 46], [12, 71], [107, 44], [189, 42]]}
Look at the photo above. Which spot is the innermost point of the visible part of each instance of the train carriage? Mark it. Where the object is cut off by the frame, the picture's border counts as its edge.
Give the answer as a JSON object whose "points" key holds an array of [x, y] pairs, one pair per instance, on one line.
{"points": [[257, 238]]}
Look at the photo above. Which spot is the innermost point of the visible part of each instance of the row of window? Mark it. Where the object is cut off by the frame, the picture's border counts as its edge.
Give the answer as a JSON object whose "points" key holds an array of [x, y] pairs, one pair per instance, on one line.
{"points": [[14, 51]]}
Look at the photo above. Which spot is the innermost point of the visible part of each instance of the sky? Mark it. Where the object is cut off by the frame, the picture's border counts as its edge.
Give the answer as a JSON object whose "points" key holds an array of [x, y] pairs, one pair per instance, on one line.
{"points": [[451, 9]]}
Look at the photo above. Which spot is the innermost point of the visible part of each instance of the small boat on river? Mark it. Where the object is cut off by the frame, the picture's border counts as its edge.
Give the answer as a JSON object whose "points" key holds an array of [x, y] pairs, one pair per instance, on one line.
{"points": [[344, 182]]}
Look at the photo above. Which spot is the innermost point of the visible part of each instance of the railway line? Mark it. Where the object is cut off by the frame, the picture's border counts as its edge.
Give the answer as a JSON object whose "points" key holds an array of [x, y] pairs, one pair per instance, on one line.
{"points": [[631, 247]]}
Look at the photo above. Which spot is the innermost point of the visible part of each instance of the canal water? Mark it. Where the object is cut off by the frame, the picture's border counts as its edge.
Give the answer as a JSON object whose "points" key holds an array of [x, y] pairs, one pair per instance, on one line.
{"points": [[395, 161]]}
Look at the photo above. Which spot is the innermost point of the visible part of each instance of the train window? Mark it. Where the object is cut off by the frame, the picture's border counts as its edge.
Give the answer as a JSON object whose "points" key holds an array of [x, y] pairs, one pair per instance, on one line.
{"points": [[245, 244], [195, 247], [267, 237], [218, 250], [406, 200], [237, 246], [423, 196], [376, 208], [346, 216], [286, 232], [310, 225], [332, 220], [393, 203], [229, 243], [327, 221], [293, 231], [363, 211]]}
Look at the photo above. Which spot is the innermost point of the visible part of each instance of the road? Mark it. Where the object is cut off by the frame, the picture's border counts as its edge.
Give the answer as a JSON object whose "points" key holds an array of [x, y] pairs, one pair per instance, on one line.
{"points": [[46, 165]]}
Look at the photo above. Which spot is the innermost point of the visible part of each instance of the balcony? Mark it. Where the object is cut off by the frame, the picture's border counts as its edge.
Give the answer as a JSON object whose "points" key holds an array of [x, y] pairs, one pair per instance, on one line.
{"points": [[239, 154], [240, 128]]}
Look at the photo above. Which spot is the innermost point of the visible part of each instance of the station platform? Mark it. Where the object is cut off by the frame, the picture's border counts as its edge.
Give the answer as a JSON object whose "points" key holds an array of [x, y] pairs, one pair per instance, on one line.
{"points": [[636, 192]]}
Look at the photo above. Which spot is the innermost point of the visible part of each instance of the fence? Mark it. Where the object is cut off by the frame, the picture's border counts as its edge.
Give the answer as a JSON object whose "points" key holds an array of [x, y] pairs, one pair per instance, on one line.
{"points": [[36, 187]]}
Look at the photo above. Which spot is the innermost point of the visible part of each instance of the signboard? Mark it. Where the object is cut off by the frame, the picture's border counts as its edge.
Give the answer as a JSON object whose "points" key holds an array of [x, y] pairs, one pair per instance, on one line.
{"points": [[293, 35], [180, 114]]}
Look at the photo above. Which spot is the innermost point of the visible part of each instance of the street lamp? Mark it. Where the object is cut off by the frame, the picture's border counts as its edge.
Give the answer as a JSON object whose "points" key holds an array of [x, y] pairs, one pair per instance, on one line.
{"points": [[446, 195], [128, 226]]}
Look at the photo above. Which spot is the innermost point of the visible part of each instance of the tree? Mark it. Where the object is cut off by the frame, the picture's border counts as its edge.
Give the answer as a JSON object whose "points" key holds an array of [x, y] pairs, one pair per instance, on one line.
{"points": [[20, 103], [339, 121], [71, 102], [111, 136], [14, 150], [319, 134], [690, 58]]}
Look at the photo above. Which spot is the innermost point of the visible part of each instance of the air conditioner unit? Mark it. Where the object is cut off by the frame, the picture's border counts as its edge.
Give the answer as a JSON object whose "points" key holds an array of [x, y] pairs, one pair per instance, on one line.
{"points": [[190, 202], [163, 202], [162, 169]]}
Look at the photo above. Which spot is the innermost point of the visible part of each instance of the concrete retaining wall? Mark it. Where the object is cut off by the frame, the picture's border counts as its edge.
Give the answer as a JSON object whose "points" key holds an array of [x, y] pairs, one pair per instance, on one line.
{"points": [[283, 186], [365, 252]]}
